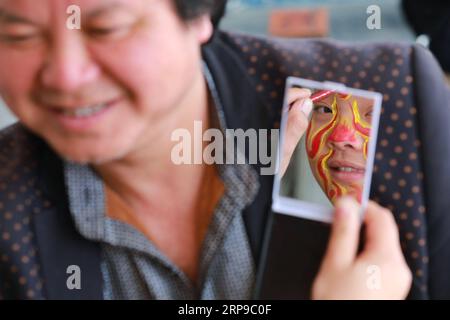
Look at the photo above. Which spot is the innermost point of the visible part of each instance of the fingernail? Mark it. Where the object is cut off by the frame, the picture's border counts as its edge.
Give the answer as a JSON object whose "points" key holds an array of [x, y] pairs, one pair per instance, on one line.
{"points": [[307, 107]]}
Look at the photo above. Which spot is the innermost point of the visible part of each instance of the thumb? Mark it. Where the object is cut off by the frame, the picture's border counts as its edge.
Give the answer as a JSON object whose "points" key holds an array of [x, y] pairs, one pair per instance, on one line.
{"points": [[381, 231], [343, 243]]}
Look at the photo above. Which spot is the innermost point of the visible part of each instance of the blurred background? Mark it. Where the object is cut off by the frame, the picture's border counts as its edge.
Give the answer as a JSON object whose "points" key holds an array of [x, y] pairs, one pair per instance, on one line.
{"points": [[6, 118], [427, 22], [347, 18]]}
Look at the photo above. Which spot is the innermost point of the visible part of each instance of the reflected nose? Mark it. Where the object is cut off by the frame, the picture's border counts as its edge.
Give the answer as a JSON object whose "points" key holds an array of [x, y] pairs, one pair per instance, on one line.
{"points": [[69, 65], [343, 137]]}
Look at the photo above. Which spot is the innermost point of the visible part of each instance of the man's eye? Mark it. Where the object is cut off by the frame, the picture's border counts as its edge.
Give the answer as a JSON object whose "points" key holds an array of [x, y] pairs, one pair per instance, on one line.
{"points": [[322, 109], [108, 32], [18, 33], [18, 39]]}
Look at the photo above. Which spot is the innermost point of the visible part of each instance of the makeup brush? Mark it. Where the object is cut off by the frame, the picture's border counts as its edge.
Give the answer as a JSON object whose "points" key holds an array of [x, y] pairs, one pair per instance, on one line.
{"points": [[322, 94]]}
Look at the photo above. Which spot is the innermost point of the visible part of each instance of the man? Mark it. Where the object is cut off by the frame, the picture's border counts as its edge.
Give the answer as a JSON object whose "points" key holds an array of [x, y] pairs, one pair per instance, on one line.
{"points": [[99, 106]]}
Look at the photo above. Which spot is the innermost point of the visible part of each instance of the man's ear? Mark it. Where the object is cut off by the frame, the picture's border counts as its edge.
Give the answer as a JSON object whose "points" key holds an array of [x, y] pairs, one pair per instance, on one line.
{"points": [[203, 28]]}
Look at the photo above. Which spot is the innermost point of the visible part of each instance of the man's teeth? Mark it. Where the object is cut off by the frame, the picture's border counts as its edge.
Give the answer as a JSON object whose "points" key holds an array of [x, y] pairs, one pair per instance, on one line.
{"points": [[348, 169], [85, 111]]}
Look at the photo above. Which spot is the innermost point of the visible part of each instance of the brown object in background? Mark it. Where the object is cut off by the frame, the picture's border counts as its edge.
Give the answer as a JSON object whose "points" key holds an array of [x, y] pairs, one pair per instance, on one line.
{"points": [[299, 23]]}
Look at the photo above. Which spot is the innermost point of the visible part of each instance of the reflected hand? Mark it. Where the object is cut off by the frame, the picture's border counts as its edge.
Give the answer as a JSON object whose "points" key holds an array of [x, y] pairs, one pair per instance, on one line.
{"points": [[378, 272], [297, 123]]}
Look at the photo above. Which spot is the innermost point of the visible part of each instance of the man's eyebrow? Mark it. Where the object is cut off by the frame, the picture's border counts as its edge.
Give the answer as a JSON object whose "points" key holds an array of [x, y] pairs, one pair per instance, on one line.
{"points": [[104, 9], [7, 17]]}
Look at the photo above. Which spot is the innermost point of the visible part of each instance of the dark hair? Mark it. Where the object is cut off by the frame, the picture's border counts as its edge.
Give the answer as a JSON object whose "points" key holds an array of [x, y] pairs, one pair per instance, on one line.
{"points": [[433, 19], [191, 9]]}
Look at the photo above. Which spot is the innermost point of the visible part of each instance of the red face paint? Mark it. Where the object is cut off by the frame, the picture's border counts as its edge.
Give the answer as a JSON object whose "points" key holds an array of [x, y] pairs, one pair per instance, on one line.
{"points": [[342, 133], [318, 137]]}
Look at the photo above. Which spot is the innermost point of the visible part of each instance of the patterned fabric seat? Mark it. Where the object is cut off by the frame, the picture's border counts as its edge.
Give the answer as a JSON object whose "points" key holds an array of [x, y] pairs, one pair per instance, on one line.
{"points": [[411, 176]]}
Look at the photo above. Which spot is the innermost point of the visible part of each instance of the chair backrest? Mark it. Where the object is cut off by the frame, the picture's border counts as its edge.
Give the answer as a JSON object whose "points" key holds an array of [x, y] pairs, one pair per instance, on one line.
{"points": [[398, 180]]}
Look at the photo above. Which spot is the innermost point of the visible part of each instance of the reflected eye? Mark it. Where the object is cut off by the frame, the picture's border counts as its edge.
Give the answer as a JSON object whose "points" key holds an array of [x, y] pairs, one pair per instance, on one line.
{"points": [[322, 109]]}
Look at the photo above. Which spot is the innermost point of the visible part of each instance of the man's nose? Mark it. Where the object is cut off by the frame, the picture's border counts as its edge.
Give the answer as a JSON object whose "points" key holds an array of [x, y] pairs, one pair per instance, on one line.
{"points": [[68, 65], [344, 137]]}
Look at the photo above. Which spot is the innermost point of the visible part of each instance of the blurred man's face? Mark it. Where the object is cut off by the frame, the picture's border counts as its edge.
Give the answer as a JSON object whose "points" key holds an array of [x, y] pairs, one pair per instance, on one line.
{"points": [[336, 143], [95, 94]]}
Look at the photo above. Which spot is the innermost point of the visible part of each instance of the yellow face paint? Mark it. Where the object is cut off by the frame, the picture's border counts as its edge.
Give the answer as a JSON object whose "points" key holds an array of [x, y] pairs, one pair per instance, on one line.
{"points": [[361, 126]]}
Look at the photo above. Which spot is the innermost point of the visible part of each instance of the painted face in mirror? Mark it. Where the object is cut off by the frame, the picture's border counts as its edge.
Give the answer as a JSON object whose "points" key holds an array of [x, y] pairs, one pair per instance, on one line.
{"points": [[336, 143]]}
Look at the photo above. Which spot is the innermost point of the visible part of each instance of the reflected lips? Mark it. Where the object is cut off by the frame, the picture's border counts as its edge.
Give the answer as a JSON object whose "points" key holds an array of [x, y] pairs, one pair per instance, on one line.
{"points": [[346, 171]]}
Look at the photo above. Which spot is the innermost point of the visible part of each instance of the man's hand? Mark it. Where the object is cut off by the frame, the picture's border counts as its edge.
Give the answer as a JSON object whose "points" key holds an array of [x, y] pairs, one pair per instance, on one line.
{"points": [[378, 272], [297, 123]]}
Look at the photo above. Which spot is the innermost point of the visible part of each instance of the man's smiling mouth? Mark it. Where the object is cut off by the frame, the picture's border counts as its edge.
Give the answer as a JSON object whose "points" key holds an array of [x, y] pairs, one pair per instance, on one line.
{"points": [[86, 116], [85, 111]]}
